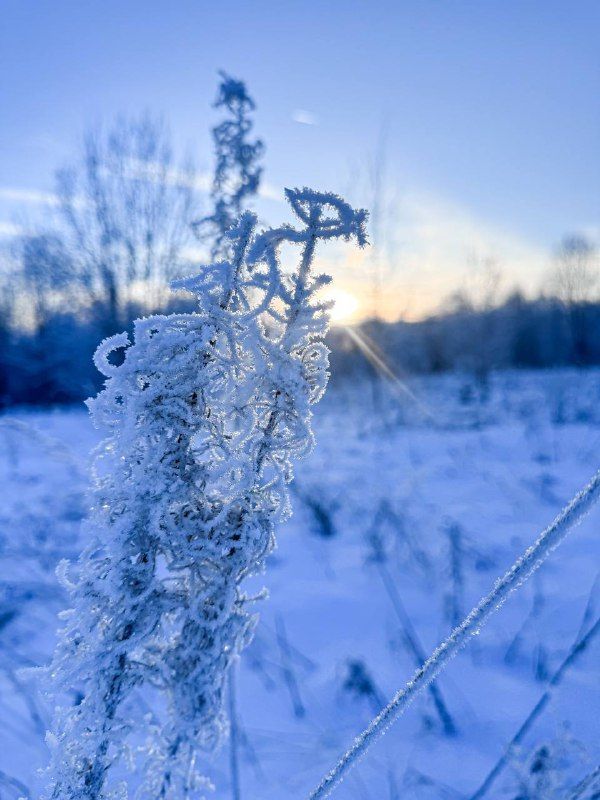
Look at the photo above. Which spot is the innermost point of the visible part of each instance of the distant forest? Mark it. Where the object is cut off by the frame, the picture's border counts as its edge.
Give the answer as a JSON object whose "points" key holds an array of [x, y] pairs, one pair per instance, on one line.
{"points": [[519, 333], [52, 363]]}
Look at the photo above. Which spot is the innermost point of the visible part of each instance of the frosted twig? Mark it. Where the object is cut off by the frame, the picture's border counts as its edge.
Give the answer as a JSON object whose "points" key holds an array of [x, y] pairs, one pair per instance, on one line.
{"points": [[20, 787], [591, 782], [236, 792], [523, 567], [574, 653]]}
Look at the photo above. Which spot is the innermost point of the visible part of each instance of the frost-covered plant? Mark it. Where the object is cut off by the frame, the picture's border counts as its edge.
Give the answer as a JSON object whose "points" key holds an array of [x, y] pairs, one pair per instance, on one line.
{"points": [[546, 772], [205, 416], [237, 174]]}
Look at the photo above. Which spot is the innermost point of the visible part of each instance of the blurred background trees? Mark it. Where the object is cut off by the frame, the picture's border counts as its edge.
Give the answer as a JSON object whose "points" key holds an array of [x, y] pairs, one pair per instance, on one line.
{"points": [[575, 283], [129, 218], [126, 208], [119, 234]]}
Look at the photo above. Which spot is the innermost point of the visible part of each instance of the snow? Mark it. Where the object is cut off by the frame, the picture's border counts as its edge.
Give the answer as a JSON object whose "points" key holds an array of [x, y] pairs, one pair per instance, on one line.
{"points": [[499, 471]]}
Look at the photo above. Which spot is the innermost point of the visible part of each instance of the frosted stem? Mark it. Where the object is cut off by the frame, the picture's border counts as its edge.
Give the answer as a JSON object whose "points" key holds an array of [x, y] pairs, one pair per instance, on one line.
{"points": [[234, 764], [470, 626], [591, 781]]}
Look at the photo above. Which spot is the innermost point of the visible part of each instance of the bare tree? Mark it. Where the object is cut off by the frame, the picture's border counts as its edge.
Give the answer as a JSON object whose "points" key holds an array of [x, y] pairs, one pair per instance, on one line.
{"points": [[575, 275], [6, 313], [574, 281], [477, 343], [127, 209], [46, 280]]}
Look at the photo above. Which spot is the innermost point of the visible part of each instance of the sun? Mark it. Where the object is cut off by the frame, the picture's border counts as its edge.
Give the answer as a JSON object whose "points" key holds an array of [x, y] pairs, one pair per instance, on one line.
{"points": [[345, 305]]}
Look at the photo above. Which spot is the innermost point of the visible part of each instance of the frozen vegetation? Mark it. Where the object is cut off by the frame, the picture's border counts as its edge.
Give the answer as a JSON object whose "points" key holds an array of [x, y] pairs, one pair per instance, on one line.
{"points": [[404, 515]]}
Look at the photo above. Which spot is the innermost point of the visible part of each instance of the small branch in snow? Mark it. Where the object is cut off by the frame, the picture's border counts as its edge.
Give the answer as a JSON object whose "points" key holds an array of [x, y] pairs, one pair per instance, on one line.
{"points": [[578, 648], [590, 783], [523, 567], [286, 667]]}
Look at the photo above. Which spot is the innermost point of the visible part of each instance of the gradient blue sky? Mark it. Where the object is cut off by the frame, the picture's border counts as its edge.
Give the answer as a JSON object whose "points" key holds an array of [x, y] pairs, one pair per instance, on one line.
{"points": [[491, 109]]}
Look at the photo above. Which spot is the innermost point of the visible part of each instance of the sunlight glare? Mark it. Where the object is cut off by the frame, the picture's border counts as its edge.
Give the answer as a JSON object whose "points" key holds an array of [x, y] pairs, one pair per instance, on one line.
{"points": [[346, 305]]}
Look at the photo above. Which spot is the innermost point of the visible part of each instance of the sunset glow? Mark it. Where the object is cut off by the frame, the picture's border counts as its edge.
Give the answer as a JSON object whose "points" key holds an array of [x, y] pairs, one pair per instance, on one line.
{"points": [[346, 308]]}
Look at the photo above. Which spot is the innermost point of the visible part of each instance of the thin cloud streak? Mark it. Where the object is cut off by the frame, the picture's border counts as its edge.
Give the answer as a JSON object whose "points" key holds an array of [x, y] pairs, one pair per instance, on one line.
{"points": [[28, 196], [303, 117]]}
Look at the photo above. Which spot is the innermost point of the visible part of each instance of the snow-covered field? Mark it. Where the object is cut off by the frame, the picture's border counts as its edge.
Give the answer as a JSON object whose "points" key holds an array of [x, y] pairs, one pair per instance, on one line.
{"points": [[404, 515]]}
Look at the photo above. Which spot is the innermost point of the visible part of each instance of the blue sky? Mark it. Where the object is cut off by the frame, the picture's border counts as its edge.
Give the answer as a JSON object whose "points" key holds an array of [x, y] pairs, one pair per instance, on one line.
{"points": [[490, 110]]}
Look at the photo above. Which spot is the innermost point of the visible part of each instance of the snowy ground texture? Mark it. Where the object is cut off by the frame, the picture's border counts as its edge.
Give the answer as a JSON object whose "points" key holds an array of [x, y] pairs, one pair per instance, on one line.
{"points": [[405, 514]]}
